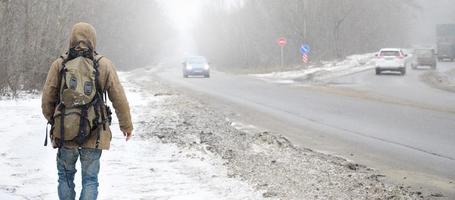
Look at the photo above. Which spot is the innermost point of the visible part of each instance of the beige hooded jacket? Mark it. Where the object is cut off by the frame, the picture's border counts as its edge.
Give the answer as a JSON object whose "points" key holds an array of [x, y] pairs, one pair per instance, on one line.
{"points": [[83, 35]]}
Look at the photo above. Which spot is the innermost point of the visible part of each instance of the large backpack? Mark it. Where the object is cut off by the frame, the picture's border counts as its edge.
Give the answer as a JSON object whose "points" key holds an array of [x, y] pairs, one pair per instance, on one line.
{"points": [[81, 108]]}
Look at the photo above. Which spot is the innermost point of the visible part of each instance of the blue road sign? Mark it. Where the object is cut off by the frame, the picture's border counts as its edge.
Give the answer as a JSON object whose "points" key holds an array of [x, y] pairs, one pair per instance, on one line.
{"points": [[305, 48]]}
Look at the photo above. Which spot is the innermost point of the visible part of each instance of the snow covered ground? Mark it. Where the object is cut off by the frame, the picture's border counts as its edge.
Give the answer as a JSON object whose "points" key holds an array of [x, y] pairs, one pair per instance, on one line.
{"points": [[324, 73], [442, 80], [183, 149], [143, 168]]}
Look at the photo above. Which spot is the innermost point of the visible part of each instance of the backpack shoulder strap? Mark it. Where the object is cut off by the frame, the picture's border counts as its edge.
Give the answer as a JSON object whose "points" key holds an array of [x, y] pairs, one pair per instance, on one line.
{"points": [[96, 63], [61, 70], [98, 57], [64, 57]]}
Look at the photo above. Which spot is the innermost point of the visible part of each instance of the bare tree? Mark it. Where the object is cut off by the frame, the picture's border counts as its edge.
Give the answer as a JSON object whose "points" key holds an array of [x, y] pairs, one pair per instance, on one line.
{"points": [[334, 29], [35, 32]]}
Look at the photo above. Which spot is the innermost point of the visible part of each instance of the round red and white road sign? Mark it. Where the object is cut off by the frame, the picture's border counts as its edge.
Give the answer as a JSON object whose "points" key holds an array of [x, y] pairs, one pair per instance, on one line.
{"points": [[282, 41]]}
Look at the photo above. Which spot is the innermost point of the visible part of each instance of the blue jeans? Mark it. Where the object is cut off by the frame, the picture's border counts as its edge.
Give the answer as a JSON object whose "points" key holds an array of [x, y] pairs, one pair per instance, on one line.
{"points": [[66, 166]]}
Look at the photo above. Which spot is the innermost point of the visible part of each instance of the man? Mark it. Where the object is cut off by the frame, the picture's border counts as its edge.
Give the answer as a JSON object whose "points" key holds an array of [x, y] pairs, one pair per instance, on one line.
{"points": [[98, 136]]}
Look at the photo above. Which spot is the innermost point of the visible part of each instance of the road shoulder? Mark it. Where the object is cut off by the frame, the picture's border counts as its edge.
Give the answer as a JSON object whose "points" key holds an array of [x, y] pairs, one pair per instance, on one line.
{"points": [[269, 161]]}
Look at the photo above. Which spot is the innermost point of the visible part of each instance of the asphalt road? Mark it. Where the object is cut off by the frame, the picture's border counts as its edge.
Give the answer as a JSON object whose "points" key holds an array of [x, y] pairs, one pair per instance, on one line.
{"points": [[396, 124]]}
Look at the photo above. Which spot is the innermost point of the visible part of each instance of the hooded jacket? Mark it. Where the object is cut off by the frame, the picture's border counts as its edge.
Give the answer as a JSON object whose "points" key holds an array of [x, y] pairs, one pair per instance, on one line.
{"points": [[83, 36]]}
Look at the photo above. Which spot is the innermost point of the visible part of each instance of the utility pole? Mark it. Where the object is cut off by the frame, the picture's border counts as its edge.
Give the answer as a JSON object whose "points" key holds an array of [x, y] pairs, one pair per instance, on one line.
{"points": [[304, 20]]}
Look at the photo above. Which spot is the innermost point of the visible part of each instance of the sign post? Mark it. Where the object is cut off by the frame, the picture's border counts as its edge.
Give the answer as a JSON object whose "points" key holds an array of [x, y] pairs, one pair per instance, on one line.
{"points": [[282, 57], [282, 42], [305, 49]]}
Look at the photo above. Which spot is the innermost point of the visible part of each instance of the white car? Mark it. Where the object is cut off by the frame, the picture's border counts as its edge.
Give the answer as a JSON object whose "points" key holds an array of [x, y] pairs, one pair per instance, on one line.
{"points": [[391, 59]]}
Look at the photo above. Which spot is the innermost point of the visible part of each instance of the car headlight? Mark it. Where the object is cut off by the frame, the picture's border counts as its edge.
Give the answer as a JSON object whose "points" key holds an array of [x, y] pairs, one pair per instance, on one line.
{"points": [[206, 67], [189, 67]]}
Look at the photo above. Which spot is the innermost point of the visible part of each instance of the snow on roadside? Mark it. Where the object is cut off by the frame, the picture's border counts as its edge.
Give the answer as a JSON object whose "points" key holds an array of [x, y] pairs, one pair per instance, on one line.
{"points": [[441, 80], [153, 170], [322, 74], [138, 169], [268, 161]]}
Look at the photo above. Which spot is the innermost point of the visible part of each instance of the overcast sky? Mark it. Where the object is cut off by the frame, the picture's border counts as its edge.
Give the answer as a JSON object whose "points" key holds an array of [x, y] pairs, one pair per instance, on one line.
{"points": [[184, 13], [433, 12]]}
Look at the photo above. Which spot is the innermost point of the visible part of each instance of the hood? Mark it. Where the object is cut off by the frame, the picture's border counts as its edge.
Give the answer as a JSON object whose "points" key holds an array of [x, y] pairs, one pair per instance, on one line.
{"points": [[83, 35]]}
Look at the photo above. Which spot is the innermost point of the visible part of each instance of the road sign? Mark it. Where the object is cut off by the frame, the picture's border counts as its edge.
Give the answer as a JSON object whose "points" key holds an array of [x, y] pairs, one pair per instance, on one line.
{"points": [[305, 48], [305, 58], [282, 41]]}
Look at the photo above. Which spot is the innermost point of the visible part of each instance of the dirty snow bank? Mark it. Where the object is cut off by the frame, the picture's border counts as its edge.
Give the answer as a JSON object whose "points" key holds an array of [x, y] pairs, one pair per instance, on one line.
{"points": [[441, 80], [322, 73], [268, 161]]}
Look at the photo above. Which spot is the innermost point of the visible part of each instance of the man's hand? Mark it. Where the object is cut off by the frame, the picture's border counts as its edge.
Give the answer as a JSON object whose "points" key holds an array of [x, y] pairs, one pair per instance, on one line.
{"points": [[128, 135]]}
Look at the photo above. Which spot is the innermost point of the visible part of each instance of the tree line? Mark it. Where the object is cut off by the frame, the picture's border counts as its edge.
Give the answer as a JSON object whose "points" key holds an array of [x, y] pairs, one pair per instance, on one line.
{"points": [[232, 34], [244, 35], [36, 32]]}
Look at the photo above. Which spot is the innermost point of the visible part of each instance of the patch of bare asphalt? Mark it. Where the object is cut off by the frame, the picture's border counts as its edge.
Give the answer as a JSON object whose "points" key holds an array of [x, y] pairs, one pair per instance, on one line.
{"points": [[354, 93]]}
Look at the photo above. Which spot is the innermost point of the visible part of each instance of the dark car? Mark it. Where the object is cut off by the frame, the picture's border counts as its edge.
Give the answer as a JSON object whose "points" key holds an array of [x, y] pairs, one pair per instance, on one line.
{"points": [[446, 51], [196, 66], [424, 57]]}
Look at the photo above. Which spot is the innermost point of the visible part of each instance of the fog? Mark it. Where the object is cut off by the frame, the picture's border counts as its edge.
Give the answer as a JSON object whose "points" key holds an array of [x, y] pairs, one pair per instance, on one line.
{"points": [[233, 34], [428, 15], [290, 99]]}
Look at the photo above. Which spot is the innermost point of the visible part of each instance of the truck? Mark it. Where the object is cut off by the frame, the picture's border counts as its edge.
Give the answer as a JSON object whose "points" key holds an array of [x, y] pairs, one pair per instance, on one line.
{"points": [[445, 36]]}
